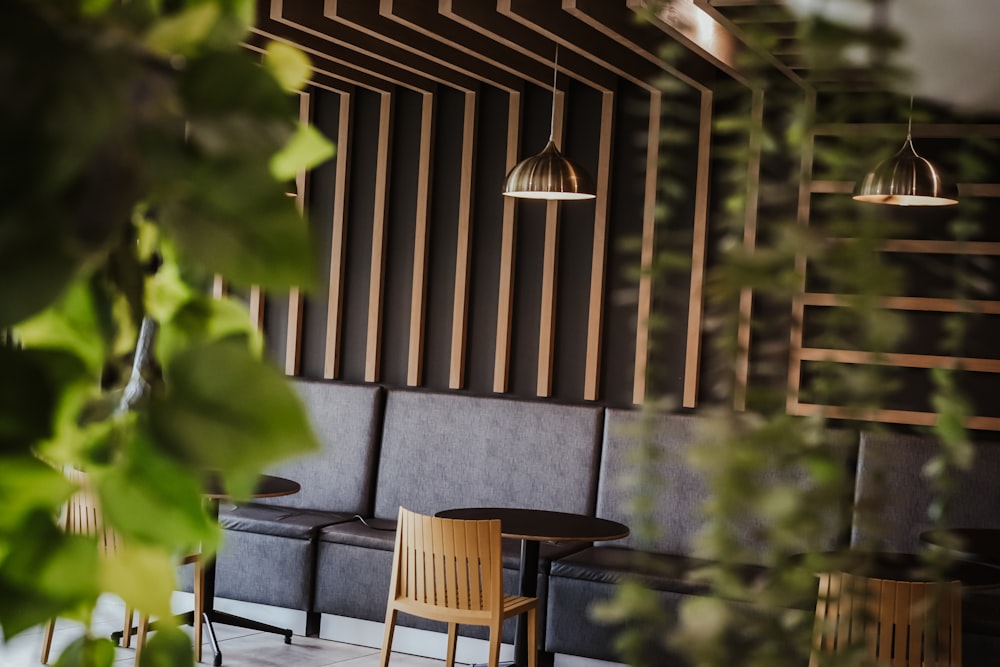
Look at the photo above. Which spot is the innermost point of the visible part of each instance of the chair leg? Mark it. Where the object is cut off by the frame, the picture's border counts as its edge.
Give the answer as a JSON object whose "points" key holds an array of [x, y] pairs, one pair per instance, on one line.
{"points": [[452, 640], [199, 607], [127, 628], [50, 628], [532, 638], [140, 637], [494, 657], [390, 626]]}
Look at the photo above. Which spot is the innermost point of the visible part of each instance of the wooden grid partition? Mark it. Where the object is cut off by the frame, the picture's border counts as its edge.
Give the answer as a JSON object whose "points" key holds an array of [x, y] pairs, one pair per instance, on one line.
{"points": [[931, 309]]}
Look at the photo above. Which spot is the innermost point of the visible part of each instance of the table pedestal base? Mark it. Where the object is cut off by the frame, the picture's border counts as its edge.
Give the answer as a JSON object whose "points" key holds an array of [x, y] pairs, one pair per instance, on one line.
{"points": [[215, 616]]}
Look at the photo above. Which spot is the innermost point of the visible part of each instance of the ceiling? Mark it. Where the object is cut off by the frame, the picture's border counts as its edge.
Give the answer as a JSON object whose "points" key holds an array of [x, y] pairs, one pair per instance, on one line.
{"points": [[461, 43]]}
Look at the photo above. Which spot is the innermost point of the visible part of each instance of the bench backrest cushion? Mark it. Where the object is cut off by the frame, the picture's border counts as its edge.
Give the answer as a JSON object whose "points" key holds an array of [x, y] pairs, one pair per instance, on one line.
{"points": [[340, 476], [681, 490], [893, 495], [442, 451]]}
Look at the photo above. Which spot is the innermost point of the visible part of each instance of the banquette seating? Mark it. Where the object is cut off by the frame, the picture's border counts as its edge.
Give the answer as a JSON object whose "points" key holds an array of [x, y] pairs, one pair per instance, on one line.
{"points": [[329, 549]]}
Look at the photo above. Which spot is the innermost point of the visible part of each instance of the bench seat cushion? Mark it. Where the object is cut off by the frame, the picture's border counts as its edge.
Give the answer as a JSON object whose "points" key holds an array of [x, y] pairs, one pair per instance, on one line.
{"points": [[662, 572], [278, 521]]}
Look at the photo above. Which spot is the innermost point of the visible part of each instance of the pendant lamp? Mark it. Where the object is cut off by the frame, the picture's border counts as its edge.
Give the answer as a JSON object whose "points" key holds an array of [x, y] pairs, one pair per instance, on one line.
{"points": [[906, 179], [549, 175]]}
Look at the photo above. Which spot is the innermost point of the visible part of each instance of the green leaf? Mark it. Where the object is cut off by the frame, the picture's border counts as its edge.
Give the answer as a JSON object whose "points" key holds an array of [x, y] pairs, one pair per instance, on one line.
{"points": [[225, 410], [306, 149], [149, 483], [28, 485], [184, 32], [88, 651], [144, 577], [168, 648], [44, 573], [202, 320], [241, 224], [289, 65], [71, 324]]}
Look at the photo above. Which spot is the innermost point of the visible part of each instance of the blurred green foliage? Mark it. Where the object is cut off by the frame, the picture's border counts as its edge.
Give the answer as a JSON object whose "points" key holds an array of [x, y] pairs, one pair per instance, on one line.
{"points": [[781, 473], [145, 151]]}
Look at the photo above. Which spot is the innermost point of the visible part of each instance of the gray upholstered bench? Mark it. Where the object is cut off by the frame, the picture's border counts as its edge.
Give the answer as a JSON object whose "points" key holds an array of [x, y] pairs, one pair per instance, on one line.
{"points": [[269, 549], [666, 562], [441, 451]]}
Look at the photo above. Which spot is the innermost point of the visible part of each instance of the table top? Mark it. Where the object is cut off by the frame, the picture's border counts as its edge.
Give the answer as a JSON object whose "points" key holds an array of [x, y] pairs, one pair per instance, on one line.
{"points": [[910, 567], [268, 486], [982, 544], [543, 525]]}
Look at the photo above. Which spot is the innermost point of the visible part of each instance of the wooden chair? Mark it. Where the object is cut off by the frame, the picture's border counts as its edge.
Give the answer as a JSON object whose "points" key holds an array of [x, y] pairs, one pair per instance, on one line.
{"points": [[897, 623], [451, 570], [82, 516]]}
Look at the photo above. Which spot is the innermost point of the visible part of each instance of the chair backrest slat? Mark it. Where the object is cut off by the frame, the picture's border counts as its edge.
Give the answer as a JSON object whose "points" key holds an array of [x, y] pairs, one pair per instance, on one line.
{"points": [[898, 623], [449, 563]]}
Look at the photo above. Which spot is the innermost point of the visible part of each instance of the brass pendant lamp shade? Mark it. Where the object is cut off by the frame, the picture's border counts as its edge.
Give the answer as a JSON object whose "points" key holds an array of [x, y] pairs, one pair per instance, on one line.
{"points": [[549, 175], [906, 179]]}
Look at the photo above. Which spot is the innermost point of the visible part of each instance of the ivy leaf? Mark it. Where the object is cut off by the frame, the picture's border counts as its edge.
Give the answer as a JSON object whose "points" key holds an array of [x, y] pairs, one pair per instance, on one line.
{"points": [[26, 486], [168, 648], [288, 64], [147, 483], [88, 651], [143, 577], [44, 573], [239, 223], [184, 32], [224, 410], [70, 324], [203, 320], [306, 149]]}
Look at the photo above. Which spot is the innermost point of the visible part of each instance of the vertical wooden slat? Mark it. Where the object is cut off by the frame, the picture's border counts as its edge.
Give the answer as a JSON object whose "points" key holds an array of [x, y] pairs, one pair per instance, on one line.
{"points": [[441, 596], [887, 601], [472, 547], [873, 603], [955, 622], [550, 258], [418, 293], [901, 618], [256, 307], [749, 243], [486, 564], [335, 294], [460, 311], [377, 270], [218, 286], [698, 253], [505, 299], [456, 569], [798, 306], [293, 330], [645, 305], [599, 256], [845, 604]]}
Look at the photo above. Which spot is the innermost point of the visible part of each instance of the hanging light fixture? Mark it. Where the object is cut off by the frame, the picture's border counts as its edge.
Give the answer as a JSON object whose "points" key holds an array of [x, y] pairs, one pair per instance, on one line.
{"points": [[549, 175], [906, 179]]}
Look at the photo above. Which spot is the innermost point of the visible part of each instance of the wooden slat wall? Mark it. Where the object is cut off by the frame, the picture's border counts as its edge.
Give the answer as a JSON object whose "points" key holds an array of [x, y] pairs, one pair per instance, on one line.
{"points": [[463, 46], [524, 34]]}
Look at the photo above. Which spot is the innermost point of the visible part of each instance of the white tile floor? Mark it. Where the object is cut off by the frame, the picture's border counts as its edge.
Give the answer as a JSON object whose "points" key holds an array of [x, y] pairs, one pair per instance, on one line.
{"points": [[240, 648]]}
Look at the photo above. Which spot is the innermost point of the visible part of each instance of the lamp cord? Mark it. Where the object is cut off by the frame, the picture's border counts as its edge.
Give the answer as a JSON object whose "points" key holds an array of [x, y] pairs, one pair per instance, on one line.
{"points": [[909, 121], [555, 71]]}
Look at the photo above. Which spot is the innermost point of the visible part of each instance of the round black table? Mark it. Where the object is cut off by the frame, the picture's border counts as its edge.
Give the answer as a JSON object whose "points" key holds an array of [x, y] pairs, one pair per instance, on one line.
{"points": [[533, 527], [268, 486], [910, 567], [979, 544]]}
